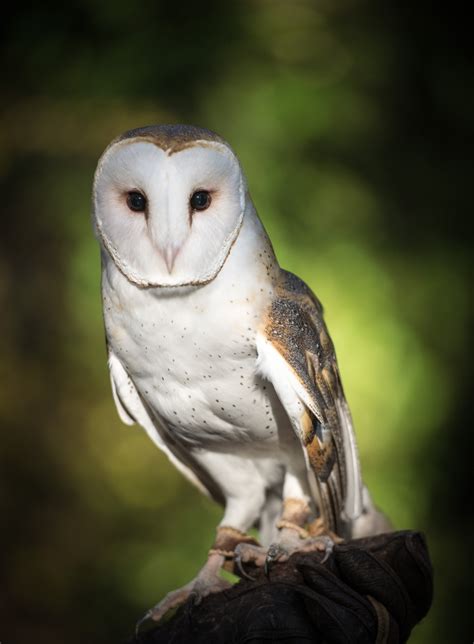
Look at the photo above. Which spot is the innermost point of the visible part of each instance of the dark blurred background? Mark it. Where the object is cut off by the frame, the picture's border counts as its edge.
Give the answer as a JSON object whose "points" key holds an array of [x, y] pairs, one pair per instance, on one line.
{"points": [[354, 123]]}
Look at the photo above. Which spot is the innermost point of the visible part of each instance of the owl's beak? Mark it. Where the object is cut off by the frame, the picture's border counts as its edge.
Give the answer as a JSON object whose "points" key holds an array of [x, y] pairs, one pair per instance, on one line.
{"points": [[168, 230], [169, 256]]}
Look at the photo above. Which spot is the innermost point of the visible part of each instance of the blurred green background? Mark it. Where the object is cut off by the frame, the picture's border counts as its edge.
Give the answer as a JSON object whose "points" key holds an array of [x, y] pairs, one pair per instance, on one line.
{"points": [[354, 122]]}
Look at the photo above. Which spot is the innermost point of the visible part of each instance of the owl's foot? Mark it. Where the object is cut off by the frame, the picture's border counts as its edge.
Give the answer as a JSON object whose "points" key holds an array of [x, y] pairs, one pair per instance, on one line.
{"points": [[245, 553], [295, 535], [258, 556], [208, 580], [206, 583], [292, 540]]}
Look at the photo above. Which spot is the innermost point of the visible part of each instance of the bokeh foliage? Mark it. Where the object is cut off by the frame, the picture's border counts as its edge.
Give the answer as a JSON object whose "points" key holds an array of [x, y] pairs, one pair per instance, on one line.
{"points": [[352, 120]]}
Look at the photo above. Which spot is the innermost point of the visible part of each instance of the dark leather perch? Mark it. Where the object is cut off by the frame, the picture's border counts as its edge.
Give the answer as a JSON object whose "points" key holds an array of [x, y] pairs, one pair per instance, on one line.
{"points": [[369, 590]]}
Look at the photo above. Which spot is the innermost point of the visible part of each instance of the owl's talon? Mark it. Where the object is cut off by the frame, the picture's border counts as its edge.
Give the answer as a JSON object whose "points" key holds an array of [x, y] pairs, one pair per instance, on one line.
{"points": [[248, 553], [329, 547], [240, 568], [275, 553], [146, 617], [322, 543]]}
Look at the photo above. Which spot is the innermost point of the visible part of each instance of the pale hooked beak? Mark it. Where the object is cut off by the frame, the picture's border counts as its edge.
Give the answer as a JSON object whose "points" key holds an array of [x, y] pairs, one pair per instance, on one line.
{"points": [[169, 256]]}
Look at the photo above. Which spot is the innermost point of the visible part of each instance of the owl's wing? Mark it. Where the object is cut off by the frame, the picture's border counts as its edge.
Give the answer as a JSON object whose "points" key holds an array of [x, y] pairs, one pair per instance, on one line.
{"points": [[297, 355], [133, 409]]}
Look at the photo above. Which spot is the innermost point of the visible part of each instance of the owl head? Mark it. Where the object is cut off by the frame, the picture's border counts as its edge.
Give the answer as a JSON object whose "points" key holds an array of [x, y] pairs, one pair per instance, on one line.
{"points": [[168, 203]]}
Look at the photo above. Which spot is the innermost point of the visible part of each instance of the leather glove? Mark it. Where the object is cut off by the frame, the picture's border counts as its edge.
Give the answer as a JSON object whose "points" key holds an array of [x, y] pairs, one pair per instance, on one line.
{"points": [[372, 590]]}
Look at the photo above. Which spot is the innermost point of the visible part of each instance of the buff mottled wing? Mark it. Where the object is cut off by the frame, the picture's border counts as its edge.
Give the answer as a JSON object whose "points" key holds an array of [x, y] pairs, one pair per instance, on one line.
{"points": [[297, 355]]}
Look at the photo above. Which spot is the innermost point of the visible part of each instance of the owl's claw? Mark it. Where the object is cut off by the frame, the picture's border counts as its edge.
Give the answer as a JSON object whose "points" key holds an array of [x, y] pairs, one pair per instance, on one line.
{"points": [[248, 553], [322, 543], [275, 552], [240, 568], [141, 621], [325, 543]]}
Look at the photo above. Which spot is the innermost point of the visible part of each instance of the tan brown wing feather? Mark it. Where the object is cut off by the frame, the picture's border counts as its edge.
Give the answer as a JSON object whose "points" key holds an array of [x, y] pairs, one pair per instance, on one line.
{"points": [[296, 328]]}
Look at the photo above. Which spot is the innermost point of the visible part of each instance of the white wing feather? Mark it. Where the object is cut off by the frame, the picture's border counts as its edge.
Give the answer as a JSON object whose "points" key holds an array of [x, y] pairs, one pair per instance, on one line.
{"points": [[131, 410]]}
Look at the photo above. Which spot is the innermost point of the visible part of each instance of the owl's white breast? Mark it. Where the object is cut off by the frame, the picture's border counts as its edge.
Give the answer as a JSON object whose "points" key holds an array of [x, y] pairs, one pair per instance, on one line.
{"points": [[191, 352]]}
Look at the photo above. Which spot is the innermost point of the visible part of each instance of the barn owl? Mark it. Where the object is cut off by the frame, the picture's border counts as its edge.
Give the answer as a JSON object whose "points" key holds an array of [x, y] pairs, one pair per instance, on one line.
{"points": [[220, 355]]}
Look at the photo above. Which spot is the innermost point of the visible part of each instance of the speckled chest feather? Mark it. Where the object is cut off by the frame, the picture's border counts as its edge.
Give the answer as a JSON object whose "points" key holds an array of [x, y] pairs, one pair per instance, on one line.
{"points": [[191, 352]]}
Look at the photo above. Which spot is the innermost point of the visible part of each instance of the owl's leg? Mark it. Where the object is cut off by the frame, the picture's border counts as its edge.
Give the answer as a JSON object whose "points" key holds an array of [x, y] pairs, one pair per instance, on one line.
{"points": [[293, 513], [207, 581], [295, 532], [269, 516], [244, 491], [246, 552]]}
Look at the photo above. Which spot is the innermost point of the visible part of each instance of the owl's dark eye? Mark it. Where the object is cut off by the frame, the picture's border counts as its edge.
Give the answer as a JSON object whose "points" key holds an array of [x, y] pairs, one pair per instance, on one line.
{"points": [[136, 201], [200, 200]]}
